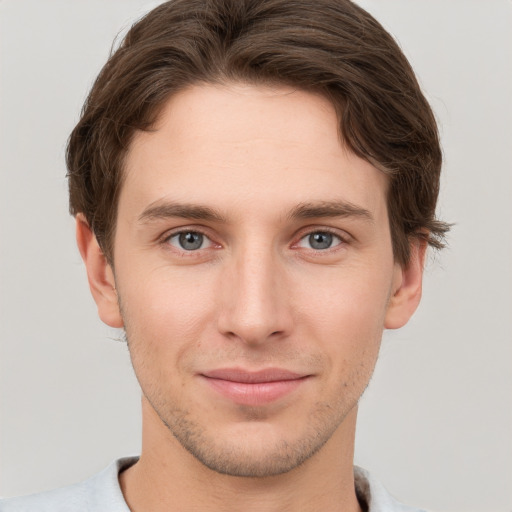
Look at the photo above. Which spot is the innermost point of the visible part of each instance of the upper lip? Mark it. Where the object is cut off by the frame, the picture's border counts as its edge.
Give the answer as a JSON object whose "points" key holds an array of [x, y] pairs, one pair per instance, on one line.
{"points": [[252, 377]]}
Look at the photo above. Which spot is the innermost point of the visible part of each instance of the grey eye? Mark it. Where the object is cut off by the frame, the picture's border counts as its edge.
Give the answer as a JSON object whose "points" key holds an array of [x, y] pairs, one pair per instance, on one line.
{"points": [[188, 240], [320, 240]]}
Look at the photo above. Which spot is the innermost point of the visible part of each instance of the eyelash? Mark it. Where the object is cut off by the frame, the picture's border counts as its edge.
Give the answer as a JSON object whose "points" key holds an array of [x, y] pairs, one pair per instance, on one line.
{"points": [[343, 240], [165, 241]]}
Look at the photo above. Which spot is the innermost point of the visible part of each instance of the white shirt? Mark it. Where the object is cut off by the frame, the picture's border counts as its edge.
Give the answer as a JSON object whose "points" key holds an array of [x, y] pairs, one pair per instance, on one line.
{"points": [[102, 493]]}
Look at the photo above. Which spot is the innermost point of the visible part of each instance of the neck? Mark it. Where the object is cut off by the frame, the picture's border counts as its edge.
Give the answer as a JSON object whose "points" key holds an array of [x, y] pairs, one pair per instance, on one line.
{"points": [[169, 478]]}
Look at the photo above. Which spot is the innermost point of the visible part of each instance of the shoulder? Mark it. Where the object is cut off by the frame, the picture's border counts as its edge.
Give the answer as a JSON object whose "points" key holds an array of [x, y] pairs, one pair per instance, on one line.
{"points": [[370, 491], [99, 493]]}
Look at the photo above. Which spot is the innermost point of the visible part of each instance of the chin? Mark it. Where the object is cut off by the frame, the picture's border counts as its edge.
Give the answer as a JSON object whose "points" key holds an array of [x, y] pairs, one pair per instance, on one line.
{"points": [[253, 448], [257, 461]]}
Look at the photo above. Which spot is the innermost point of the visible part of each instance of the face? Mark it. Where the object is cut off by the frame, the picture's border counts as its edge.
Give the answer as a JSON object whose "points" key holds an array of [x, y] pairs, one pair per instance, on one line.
{"points": [[254, 272]]}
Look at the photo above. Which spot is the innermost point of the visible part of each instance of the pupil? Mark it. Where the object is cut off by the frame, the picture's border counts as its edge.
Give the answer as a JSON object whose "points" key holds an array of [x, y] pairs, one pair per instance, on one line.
{"points": [[320, 240], [191, 241]]}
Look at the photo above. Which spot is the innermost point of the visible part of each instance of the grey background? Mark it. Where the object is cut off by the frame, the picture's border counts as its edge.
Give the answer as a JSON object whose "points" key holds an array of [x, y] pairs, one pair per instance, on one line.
{"points": [[436, 422]]}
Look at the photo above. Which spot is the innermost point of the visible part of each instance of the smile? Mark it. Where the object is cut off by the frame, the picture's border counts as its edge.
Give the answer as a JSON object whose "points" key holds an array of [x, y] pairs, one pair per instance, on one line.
{"points": [[253, 388]]}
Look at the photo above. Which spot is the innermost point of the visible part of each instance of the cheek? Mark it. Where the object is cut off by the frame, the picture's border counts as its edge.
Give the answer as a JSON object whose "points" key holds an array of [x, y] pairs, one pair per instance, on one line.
{"points": [[346, 315], [165, 316], [352, 342]]}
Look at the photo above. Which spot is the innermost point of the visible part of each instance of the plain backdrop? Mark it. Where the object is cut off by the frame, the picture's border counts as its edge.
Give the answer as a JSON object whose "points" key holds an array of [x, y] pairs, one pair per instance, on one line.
{"points": [[436, 422]]}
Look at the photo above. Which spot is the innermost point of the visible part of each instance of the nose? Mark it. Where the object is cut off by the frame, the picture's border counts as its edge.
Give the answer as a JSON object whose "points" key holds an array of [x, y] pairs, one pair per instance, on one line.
{"points": [[255, 303]]}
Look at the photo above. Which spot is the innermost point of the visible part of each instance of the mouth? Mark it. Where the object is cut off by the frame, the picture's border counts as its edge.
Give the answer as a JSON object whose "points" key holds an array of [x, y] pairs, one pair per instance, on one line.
{"points": [[253, 388]]}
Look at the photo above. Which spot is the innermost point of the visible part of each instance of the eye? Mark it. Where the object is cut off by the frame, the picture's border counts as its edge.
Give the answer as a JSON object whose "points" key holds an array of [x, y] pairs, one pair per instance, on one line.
{"points": [[189, 241], [320, 240]]}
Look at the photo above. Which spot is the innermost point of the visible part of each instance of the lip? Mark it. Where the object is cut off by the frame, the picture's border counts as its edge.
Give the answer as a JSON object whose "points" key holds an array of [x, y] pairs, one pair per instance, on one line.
{"points": [[254, 388]]}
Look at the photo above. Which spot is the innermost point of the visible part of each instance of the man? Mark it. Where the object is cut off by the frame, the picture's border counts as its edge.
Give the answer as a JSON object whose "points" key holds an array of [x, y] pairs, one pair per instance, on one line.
{"points": [[254, 185]]}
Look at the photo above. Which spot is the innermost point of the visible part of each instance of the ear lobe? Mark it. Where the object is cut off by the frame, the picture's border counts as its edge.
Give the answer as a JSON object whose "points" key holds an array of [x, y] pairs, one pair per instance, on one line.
{"points": [[99, 274], [407, 287]]}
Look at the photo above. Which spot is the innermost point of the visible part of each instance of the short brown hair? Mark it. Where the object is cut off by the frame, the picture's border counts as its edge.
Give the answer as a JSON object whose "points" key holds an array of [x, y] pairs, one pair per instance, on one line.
{"points": [[331, 47]]}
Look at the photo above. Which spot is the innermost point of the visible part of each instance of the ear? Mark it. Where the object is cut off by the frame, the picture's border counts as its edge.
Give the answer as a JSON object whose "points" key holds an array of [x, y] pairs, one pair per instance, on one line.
{"points": [[407, 285], [99, 273]]}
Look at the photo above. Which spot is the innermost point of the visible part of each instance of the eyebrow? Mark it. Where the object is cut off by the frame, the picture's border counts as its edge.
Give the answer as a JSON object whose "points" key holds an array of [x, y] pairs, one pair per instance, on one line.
{"points": [[164, 210], [330, 209], [182, 210]]}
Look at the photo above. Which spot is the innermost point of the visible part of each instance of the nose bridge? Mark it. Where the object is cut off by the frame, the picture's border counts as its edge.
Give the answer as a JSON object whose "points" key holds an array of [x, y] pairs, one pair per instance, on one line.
{"points": [[254, 308]]}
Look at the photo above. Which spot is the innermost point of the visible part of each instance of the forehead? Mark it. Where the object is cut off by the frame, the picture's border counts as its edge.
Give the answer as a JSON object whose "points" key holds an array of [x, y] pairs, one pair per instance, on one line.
{"points": [[242, 145]]}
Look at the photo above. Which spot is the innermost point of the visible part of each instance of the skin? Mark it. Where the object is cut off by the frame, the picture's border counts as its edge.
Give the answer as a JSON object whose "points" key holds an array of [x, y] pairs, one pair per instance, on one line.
{"points": [[257, 172]]}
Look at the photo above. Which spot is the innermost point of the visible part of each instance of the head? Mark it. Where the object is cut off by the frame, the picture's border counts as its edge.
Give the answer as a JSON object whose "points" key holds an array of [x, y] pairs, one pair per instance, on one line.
{"points": [[255, 184], [329, 47]]}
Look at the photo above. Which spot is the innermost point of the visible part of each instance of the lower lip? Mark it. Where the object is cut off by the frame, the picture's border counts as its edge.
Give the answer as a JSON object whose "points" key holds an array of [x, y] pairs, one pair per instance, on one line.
{"points": [[256, 393]]}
